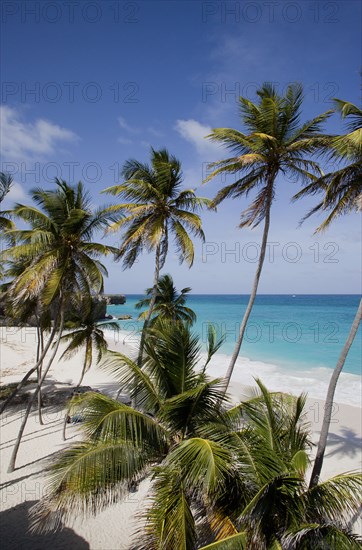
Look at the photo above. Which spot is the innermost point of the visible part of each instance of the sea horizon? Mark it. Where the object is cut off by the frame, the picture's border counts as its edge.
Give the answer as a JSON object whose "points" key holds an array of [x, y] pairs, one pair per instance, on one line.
{"points": [[242, 294]]}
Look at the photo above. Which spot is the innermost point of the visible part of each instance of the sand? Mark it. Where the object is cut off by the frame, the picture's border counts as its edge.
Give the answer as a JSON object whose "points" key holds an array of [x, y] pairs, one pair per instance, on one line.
{"points": [[113, 528]]}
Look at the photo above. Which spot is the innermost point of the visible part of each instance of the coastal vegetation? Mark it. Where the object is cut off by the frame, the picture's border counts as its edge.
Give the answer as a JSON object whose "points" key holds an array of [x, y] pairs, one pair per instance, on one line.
{"points": [[276, 144], [157, 209], [342, 194], [223, 476], [219, 473], [169, 305], [59, 263]]}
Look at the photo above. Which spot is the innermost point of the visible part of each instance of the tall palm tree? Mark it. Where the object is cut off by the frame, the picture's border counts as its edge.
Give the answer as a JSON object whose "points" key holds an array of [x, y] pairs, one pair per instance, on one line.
{"points": [[342, 188], [156, 208], [275, 144], [342, 192], [169, 305], [214, 469], [31, 311], [61, 262], [88, 334]]}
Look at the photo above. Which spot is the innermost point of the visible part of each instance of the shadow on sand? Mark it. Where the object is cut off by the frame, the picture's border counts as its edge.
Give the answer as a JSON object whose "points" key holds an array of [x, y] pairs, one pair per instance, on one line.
{"points": [[14, 533], [347, 443]]}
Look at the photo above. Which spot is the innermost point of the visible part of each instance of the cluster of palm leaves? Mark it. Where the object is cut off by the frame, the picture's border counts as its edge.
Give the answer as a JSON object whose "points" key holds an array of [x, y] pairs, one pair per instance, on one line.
{"points": [[169, 305], [342, 188], [222, 476]]}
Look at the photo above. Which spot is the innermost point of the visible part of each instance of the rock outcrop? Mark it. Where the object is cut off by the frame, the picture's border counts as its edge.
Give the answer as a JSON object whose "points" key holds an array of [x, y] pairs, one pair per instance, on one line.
{"points": [[115, 299]]}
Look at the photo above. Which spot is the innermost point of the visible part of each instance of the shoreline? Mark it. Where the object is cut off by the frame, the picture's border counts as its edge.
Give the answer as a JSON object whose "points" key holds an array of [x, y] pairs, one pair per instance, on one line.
{"points": [[115, 526], [313, 381]]}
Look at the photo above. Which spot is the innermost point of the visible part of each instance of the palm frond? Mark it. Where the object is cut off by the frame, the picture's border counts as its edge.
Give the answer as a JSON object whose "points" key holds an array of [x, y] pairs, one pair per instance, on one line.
{"points": [[106, 419], [87, 478], [335, 497], [314, 535], [233, 542], [169, 520], [132, 379], [205, 464]]}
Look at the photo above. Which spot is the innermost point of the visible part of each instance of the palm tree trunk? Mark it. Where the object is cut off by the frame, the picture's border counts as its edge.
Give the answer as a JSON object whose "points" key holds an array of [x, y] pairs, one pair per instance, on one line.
{"points": [[253, 292], [77, 386], [83, 371], [39, 350], [33, 369], [318, 463], [32, 400], [152, 304]]}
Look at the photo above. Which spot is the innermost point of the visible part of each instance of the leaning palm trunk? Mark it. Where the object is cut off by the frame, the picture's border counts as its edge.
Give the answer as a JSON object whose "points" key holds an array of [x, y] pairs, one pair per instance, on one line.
{"points": [[68, 408], [152, 305], [318, 463], [83, 371], [34, 396], [252, 296], [40, 349], [33, 369]]}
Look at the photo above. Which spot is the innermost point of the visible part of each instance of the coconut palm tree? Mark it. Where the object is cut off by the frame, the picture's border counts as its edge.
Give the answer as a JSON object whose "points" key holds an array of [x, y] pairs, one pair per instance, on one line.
{"points": [[88, 334], [276, 143], [214, 469], [341, 194], [62, 262], [342, 188], [156, 208], [272, 507], [29, 312], [286, 515], [169, 305], [123, 445]]}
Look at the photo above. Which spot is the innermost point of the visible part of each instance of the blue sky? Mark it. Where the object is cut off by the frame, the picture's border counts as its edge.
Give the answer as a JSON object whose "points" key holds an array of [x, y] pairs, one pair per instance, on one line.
{"points": [[87, 85]]}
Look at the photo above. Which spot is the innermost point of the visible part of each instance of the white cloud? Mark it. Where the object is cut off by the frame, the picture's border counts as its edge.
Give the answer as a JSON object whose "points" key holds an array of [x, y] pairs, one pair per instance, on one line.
{"points": [[125, 126], [21, 139], [195, 132]]}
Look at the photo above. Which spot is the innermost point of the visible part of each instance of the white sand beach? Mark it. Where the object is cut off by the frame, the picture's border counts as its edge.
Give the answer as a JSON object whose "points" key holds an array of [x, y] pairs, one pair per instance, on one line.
{"points": [[113, 528]]}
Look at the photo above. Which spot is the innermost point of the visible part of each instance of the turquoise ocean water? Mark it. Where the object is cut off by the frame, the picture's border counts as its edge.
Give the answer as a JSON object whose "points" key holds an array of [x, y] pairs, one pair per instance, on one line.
{"points": [[294, 333]]}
